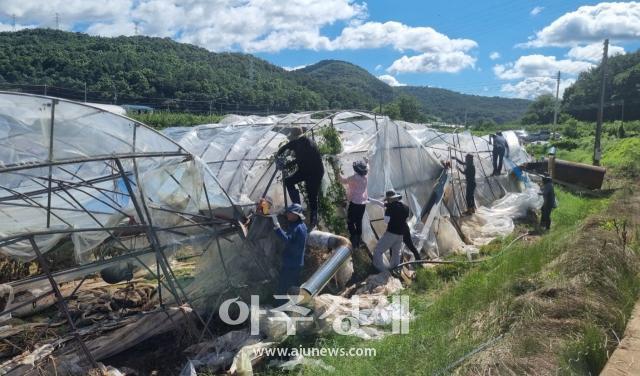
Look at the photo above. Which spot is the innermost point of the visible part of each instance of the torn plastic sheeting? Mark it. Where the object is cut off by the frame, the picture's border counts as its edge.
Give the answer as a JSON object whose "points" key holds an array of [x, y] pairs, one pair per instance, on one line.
{"points": [[83, 187], [497, 220], [370, 313]]}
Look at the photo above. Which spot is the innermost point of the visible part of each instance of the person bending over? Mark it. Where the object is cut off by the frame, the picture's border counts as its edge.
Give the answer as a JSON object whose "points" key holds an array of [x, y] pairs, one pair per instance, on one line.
{"points": [[295, 238]]}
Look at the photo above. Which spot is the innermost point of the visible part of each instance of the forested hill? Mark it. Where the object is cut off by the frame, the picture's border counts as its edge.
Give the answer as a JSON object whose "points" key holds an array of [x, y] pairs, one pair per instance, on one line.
{"points": [[622, 85], [453, 107], [345, 83], [157, 71]]}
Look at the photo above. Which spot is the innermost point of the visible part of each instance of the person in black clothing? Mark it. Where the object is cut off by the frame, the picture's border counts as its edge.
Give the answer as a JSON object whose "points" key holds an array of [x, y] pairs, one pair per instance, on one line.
{"points": [[406, 232], [310, 171], [549, 196], [395, 216], [470, 178], [500, 148]]}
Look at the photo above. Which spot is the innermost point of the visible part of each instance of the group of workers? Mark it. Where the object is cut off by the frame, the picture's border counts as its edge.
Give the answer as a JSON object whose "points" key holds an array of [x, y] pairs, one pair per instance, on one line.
{"points": [[310, 170]]}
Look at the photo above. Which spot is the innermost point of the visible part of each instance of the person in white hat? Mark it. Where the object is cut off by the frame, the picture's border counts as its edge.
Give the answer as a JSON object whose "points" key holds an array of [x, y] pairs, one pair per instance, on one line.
{"points": [[295, 239]]}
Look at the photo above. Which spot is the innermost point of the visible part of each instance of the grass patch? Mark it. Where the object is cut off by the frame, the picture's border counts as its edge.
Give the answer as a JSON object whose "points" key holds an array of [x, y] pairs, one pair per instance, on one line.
{"points": [[453, 306], [587, 355], [164, 119], [624, 157]]}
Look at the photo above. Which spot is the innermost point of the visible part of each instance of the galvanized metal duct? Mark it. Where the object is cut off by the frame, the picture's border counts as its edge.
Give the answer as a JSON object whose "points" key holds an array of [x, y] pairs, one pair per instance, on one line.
{"points": [[326, 271]]}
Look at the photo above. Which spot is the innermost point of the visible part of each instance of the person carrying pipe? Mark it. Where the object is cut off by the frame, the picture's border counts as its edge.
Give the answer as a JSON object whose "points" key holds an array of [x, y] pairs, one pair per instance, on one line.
{"points": [[310, 170], [295, 239], [395, 216], [358, 197], [549, 203], [500, 148], [469, 173]]}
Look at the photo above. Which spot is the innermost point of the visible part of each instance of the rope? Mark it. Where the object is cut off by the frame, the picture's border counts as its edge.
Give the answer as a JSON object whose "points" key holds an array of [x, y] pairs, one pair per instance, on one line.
{"points": [[461, 261]]}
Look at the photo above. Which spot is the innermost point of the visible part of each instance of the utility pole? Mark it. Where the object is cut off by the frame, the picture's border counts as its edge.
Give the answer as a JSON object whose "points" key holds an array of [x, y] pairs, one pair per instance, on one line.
{"points": [[85, 92], [13, 16], [555, 107], [57, 21], [45, 89], [465, 117], [210, 105], [597, 153]]}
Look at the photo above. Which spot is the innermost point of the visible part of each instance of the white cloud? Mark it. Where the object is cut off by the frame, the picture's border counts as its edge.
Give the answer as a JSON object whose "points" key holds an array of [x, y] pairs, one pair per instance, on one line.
{"points": [[539, 65], [251, 26], [112, 29], [449, 62], [534, 86], [378, 67], [10, 27], [257, 26], [590, 23], [537, 75], [294, 68], [70, 12], [400, 37], [535, 11], [593, 52], [390, 80], [494, 55], [438, 52]]}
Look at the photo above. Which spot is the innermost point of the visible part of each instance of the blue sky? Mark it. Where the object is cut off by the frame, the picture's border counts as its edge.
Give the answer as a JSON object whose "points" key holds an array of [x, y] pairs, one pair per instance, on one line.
{"points": [[495, 47]]}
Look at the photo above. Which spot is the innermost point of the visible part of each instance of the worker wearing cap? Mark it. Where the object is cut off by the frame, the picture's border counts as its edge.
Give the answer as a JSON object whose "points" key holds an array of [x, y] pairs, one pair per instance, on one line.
{"points": [[500, 148], [395, 216], [549, 196], [357, 196], [469, 173], [295, 239], [310, 170]]}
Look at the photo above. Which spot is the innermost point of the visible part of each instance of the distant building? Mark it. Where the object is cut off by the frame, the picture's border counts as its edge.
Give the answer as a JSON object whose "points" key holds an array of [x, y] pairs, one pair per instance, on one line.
{"points": [[137, 109]]}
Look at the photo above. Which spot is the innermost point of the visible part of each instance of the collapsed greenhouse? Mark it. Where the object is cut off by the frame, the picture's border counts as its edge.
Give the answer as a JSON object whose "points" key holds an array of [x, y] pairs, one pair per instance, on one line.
{"points": [[132, 233]]}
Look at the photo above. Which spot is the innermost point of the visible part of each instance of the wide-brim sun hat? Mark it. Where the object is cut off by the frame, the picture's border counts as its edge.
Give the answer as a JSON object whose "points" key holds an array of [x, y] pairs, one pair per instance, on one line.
{"points": [[296, 209], [392, 196]]}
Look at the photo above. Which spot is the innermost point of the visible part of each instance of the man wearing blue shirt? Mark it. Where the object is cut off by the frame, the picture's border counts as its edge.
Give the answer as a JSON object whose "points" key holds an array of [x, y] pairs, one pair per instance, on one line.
{"points": [[500, 148], [295, 238]]}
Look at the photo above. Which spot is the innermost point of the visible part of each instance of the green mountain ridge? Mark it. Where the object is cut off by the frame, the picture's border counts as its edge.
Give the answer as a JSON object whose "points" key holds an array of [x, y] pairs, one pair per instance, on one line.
{"points": [[163, 73], [459, 108]]}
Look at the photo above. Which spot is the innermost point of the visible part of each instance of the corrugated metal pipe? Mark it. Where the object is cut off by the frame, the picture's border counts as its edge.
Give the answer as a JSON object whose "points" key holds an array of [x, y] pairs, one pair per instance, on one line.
{"points": [[326, 271]]}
